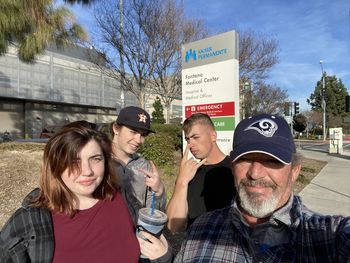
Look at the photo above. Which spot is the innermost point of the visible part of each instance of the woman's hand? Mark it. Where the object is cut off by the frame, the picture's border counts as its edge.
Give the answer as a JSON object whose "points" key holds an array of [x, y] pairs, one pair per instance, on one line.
{"points": [[154, 248]]}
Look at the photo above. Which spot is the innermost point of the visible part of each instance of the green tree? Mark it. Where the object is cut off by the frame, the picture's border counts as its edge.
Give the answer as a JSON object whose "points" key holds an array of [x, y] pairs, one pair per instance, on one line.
{"points": [[335, 93], [157, 114], [31, 25], [299, 122]]}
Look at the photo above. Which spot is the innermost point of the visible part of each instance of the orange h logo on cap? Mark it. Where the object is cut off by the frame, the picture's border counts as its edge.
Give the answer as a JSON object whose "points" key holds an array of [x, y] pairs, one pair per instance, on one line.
{"points": [[142, 117]]}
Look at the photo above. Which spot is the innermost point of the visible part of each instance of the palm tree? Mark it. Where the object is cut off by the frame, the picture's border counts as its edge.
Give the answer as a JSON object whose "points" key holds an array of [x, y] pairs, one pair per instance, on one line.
{"points": [[31, 25]]}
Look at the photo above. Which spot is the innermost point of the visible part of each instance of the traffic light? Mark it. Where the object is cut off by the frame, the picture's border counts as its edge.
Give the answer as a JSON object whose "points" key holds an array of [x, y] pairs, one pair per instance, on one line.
{"points": [[296, 108], [347, 103]]}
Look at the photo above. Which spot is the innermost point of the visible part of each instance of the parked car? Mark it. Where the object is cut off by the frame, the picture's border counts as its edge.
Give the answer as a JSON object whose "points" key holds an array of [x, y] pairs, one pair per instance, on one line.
{"points": [[49, 131]]}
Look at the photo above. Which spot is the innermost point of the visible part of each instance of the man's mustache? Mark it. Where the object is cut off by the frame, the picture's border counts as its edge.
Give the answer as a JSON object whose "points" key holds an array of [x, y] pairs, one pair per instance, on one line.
{"points": [[259, 182]]}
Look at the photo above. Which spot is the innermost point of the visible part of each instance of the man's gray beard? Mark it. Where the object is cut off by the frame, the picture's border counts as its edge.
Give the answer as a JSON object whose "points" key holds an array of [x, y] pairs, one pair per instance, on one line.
{"points": [[255, 207]]}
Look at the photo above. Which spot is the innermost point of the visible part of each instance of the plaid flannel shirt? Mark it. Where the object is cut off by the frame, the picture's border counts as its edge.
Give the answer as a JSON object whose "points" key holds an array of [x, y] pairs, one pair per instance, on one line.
{"points": [[214, 237], [28, 235]]}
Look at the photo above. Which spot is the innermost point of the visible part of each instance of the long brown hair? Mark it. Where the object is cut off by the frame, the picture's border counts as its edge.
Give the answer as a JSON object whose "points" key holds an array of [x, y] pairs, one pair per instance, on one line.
{"points": [[60, 154]]}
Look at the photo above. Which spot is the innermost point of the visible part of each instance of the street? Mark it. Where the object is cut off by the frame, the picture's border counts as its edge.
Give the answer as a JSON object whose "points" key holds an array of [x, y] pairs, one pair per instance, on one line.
{"points": [[320, 146]]}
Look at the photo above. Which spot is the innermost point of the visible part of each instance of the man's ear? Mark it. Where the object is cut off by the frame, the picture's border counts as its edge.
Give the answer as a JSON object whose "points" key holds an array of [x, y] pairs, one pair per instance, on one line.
{"points": [[213, 135], [295, 172]]}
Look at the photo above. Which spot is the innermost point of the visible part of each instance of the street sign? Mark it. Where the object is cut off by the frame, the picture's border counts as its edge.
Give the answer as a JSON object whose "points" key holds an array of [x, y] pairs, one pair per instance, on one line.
{"points": [[212, 109], [210, 83]]}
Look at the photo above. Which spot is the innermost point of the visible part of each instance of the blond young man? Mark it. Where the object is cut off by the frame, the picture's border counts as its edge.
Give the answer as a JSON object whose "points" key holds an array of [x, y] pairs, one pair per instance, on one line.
{"points": [[205, 181]]}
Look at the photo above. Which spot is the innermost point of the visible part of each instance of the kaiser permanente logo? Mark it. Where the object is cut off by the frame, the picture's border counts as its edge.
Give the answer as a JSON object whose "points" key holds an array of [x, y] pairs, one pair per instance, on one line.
{"points": [[204, 53]]}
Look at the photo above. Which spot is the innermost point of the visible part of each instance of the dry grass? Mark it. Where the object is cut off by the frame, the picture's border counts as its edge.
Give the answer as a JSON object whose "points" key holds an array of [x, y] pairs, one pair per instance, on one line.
{"points": [[310, 168], [19, 174]]}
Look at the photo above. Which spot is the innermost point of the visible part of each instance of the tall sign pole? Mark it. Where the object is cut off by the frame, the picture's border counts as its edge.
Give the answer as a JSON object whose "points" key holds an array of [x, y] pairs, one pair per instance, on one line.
{"points": [[210, 83]]}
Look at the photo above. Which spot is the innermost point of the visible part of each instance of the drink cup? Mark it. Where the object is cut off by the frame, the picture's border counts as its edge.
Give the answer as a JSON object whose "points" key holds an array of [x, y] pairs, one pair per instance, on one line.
{"points": [[151, 223]]}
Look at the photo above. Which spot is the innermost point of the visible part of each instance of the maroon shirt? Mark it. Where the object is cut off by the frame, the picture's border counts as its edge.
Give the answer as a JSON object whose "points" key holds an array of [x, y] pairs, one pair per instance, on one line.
{"points": [[102, 233]]}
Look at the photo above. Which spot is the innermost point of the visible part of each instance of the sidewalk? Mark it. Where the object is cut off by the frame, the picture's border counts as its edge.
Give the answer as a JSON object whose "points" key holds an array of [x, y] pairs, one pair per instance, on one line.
{"points": [[329, 192]]}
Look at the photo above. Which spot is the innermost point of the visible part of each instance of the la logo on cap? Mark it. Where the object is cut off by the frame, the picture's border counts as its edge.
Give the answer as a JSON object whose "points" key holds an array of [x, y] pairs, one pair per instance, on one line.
{"points": [[264, 126], [142, 117]]}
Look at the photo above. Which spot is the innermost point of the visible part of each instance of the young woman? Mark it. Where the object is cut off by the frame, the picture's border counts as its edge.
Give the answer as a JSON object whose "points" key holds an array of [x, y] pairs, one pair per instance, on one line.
{"points": [[78, 214]]}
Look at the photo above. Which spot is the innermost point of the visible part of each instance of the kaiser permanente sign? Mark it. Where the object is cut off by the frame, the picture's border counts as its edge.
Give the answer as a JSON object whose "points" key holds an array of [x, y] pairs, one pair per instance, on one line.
{"points": [[210, 83]]}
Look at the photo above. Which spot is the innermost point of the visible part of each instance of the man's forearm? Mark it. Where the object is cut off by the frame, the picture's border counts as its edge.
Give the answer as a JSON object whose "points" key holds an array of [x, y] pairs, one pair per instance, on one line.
{"points": [[177, 209]]}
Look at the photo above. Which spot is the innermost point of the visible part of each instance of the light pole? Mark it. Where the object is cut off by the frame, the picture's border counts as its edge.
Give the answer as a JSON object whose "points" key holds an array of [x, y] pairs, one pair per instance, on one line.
{"points": [[323, 101], [121, 53]]}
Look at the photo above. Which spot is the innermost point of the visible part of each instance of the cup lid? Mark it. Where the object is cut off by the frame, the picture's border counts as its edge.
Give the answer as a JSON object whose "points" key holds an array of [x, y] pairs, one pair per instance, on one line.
{"points": [[158, 217]]}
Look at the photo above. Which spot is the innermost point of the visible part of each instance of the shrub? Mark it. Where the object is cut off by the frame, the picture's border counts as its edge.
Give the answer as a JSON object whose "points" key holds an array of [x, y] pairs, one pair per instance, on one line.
{"points": [[173, 130], [157, 114], [160, 148], [164, 148]]}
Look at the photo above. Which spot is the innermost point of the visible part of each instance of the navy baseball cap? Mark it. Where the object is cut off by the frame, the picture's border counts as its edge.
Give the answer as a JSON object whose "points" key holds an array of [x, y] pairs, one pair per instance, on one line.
{"points": [[264, 133], [134, 117]]}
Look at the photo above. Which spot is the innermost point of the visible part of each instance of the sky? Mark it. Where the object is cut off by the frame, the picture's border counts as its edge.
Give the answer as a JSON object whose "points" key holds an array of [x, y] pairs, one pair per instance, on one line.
{"points": [[306, 32]]}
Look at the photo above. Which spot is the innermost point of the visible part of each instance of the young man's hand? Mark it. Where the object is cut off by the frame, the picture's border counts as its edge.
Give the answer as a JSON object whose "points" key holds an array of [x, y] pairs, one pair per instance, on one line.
{"points": [[152, 179], [188, 167]]}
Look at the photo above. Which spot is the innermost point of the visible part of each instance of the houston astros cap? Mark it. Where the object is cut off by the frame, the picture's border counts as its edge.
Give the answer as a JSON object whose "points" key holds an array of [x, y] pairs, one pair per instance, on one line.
{"points": [[134, 117], [264, 133]]}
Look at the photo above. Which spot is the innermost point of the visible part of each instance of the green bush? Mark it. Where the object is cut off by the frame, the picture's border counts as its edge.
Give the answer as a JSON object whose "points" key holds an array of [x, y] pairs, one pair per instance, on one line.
{"points": [[163, 147], [173, 130], [160, 148]]}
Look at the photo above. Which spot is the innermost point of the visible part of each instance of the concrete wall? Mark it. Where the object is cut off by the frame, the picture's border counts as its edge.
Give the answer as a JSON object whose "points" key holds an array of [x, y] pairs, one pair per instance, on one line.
{"points": [[24, 119]]}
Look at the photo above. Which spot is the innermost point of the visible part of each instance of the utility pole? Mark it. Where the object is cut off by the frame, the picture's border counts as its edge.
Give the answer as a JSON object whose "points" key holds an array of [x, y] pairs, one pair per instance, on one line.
{"points": [[323, 93], [121, 54]]}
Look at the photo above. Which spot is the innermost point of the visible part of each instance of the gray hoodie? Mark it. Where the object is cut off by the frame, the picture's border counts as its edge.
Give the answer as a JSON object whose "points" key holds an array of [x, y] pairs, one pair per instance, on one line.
{"points": [[133, 188]]}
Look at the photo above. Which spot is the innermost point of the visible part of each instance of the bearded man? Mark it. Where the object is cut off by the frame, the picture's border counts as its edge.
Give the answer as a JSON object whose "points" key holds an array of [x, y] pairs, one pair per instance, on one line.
{"points": [[266, 222]]}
